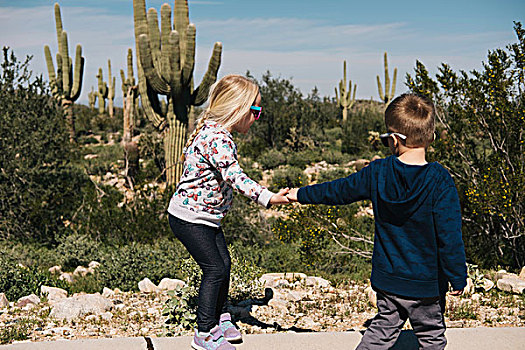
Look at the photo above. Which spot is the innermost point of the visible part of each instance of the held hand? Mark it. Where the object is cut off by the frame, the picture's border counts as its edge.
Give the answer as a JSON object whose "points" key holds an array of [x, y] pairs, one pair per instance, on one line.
{"points": [[292, 195], [280, 197], [456, 293]]}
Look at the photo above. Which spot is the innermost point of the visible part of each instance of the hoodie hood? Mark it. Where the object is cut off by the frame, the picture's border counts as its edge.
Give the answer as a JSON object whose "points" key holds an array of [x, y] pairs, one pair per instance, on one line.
{"points": [[402, 188]]}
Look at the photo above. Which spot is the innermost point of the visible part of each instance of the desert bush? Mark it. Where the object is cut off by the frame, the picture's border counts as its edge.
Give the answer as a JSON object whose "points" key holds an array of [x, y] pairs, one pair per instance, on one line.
{"points": [[481, 117], [288, 176], [271, 159], [38, 184]]}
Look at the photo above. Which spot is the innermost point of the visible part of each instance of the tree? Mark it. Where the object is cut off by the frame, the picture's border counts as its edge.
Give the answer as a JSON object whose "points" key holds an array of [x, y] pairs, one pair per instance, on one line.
{"points": [[480, 140], [38, 186]]}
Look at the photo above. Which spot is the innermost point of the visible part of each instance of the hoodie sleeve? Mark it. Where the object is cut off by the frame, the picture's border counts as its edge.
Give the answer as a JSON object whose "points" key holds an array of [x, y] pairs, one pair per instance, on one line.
{"points": [[447, 222], [221, 152], [342, 191]]}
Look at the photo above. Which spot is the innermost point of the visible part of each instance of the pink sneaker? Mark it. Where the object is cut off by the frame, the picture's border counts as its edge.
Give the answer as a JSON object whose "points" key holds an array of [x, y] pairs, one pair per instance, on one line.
{"points": [[231, 333], [214, 341]]}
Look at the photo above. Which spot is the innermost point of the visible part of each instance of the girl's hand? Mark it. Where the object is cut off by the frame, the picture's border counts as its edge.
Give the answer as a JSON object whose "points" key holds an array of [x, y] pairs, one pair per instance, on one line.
{"points": [[292, 195], [280, 197]]}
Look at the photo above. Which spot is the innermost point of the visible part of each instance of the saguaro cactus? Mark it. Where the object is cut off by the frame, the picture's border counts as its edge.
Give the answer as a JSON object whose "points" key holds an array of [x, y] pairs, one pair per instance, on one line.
{"points": [[102, 92], [165, 63], [66, 83], [130, 96], [387, 96], [111, 91], [345, 99], [92, 97]]}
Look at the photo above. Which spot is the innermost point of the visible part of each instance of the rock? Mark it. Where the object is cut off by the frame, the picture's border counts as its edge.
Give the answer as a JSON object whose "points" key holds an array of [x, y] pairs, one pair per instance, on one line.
{"points": [[94, 264], [53, 294], [106, 316], [80, 271], [170, 284], [146, 286], [278, 304], [522, 273], [475, 297], [55, 269], [504, 274], [317, 282], [511, 284], [294, 295], [281, 283], [80, 305], [361, 163], [91, 317], [30, 299], [3, 301], [372, 296], [66, 276], [470, 288], [268, 279], [487, 284], [107, 293]]}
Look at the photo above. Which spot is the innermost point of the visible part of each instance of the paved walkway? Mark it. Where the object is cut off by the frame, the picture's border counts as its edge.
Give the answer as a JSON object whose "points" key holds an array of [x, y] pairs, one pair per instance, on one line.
{"points": [[458, 339]]}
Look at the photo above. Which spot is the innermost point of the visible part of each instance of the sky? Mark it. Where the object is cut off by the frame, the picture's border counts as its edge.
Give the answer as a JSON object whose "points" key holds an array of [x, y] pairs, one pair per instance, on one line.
{"points": [[305, 41]]}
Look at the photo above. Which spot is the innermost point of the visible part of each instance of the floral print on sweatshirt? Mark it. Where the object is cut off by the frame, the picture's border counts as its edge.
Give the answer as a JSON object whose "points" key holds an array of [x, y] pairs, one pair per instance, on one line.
{"points": [[211, 173]]}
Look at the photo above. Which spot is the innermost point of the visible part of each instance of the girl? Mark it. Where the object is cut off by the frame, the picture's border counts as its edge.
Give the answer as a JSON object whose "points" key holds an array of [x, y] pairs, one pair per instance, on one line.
{"points": [[204, 195]]}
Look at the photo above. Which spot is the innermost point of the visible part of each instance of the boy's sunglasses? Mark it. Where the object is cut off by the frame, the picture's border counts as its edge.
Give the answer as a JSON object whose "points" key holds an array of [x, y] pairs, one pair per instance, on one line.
{"points": [[257, 111], [384, 137]]}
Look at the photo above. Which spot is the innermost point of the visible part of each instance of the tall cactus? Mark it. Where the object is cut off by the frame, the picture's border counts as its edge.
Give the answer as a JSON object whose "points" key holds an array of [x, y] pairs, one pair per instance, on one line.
{"points": [[344, 98], [165, 63], [387, 96], [92, 98], [102, 93], [130, 96], [66, 84], [111, 91]]}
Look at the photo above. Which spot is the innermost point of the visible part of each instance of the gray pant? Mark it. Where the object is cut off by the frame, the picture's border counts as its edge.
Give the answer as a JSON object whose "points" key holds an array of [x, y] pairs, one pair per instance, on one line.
{"points": [[426, 318]]}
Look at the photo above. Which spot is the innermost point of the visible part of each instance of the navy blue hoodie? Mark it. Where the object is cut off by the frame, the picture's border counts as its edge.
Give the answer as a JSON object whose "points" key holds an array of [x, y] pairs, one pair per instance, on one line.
{"points": [[417, 242]]}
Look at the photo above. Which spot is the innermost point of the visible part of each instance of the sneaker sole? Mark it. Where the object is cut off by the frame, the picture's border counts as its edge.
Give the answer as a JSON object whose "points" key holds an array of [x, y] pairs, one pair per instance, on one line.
{"points": [[195, 346], [239, 337]]}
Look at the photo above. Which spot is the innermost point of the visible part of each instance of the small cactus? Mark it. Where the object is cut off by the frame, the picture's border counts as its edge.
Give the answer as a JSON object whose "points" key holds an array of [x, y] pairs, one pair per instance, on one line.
{"points": [[387, 95], [102, 93], [111, 91], [66, 83], [92, 97], [130, 94], [345, 99]]}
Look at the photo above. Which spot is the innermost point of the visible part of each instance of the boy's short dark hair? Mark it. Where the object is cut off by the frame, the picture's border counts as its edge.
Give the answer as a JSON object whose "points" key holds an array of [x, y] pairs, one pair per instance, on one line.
{"points": [[413, 116]]}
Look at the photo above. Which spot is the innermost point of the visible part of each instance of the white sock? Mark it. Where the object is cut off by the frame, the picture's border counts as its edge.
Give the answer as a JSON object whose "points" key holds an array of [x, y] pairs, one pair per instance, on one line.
{"points": [[203, 334]]}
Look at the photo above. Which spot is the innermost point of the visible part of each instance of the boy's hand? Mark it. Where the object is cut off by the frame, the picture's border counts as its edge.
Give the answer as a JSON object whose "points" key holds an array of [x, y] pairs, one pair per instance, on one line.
{"points": [[456, 293], [292, 195], [280, 197]]}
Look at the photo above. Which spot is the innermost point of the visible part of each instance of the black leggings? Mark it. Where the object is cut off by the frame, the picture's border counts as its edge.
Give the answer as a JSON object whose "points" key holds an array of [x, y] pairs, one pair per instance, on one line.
{"points": [[207, 246]]}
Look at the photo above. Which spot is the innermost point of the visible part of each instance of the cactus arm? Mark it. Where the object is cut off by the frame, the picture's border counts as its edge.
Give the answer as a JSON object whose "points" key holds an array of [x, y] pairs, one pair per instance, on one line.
{"points": [[336, 95], [154, 37], [189, 60], [150, 73], [355, 89], [66, 67], [58, 22], [78, 74], [380, 89], [165, 23], [130, 67], [175, 63], [124, 83], [387, 80], [59, 70], [182, 15], [394, 84], [200, 95], [50, 65]]}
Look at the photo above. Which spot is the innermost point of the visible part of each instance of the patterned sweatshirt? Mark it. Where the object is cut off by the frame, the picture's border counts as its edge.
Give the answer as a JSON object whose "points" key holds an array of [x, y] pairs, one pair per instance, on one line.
{"points": [[211, 172]]}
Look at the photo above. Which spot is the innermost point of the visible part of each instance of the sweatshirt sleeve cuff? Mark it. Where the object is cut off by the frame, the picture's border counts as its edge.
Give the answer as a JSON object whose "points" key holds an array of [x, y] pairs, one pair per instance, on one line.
{"points": [[264, 198], [301, 196], [458, 283]]}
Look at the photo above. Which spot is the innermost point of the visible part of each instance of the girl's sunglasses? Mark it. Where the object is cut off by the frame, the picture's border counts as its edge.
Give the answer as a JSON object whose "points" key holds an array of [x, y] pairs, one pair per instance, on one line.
{"points": [[257, 111]]}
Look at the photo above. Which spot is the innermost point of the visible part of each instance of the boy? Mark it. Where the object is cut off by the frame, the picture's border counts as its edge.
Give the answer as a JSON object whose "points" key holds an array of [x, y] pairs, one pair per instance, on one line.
{"points": [[417, 244]]}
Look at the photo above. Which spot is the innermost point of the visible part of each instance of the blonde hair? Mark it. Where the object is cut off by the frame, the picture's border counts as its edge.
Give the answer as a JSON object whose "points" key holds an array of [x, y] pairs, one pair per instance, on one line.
{"points": [[413, 116], [229, 100]]}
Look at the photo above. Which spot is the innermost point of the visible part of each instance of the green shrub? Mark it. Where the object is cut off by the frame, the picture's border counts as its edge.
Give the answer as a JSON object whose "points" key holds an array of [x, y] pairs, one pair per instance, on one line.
{"points": [[271, 159], [331, 175], [38, 184], [77, 250], [303, 158], [17, 281], [288, 176]]}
